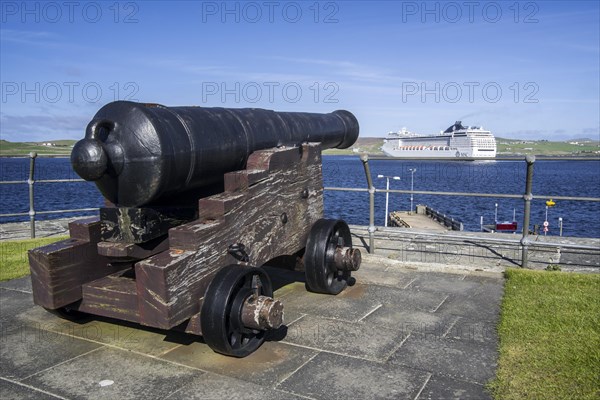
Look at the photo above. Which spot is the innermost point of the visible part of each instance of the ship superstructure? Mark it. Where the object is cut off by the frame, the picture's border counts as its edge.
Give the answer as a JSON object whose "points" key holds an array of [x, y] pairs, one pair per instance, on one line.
{"points": [[456, 141]]}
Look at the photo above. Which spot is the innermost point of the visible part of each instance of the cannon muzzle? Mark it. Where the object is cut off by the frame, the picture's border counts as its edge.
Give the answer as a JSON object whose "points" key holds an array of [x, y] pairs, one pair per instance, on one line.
{"points": [[142, 154]]}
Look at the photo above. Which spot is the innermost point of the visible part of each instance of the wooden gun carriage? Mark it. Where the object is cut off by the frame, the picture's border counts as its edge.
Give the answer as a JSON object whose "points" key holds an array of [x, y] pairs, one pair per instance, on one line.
{"points": [[197, 200]]}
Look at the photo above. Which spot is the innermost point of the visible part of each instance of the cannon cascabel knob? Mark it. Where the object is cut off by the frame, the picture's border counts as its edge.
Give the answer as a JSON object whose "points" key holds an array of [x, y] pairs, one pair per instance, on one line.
{"points": [[89, 159]]}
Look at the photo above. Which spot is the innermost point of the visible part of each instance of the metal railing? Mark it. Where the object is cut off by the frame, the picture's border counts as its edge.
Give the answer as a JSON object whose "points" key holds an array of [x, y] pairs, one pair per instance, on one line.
{"points": [[527, 197], [447, 221], [30, 182]]}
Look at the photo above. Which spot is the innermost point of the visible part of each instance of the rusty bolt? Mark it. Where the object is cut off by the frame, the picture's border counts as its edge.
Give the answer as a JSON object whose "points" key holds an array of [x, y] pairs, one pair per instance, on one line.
{"points": [[283, 217], [347, 258], [304, 193], [262, 312]]}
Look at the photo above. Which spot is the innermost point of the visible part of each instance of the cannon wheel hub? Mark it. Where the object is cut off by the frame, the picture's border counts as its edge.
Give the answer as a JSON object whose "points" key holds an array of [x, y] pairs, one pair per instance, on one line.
{"points": [[222, 310], [329, 257]]}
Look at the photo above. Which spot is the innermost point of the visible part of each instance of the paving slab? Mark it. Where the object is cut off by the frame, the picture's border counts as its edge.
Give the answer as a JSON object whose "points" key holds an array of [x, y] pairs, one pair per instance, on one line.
{"points": [[442, 282], [470, 361], [133, 376], [344, 306], [352, 339], [481, 305], [13, 303], [20, 284], [439, 387], [11, 390], [269, 365], [473, 330], [217, 387], [397, 332], [44, 228], [26, 351], [381, 274], [330, 376], [405, 299], [410, 321]]}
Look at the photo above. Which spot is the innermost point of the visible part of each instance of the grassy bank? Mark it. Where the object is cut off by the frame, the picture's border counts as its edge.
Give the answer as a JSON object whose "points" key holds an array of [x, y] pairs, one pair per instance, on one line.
{"points": [[544, 147], [13, 256], [506, 147], [12, 149], [549, 336]]}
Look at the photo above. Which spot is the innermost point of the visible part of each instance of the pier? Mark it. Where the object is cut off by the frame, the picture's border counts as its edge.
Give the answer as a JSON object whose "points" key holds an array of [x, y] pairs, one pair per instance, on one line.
{"points": [[424, 218]]}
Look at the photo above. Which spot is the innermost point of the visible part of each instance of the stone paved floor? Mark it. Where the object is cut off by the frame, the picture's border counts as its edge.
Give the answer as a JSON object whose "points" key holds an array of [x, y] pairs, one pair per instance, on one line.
{"points": [[45, 228], [397, 333]]}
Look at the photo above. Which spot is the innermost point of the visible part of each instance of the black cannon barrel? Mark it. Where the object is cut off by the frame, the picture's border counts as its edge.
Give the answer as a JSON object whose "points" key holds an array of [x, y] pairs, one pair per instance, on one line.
{"points": [[139, 154]]}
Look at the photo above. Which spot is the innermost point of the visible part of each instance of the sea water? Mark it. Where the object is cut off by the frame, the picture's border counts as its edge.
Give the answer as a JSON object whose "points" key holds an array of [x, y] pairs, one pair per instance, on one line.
{"points": [[551, 178]]}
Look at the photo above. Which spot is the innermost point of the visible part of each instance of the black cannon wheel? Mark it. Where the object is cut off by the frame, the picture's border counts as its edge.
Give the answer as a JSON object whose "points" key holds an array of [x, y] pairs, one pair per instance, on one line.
{"points": [[321, 273], [222, 326]]}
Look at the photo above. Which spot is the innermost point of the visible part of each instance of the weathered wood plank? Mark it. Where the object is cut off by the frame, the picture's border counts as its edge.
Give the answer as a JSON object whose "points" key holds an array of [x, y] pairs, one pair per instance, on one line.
{"points": [[85, 229], [114, 296], [58, 270], [132, 251], [155, 278], [215, 207], [271, 218]]}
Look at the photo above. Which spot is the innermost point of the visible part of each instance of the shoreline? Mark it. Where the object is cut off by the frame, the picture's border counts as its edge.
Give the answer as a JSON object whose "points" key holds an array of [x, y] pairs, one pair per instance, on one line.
{"points": [[38, 155], [507, 157]]}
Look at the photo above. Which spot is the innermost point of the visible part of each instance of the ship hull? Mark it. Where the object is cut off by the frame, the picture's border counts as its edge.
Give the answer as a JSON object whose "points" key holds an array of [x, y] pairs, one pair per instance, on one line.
{"points": [[426, 153]]}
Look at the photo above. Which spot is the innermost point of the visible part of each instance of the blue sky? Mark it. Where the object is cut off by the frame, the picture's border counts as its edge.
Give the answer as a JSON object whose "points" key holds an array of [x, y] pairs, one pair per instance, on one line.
{"points": [[525, 70]]}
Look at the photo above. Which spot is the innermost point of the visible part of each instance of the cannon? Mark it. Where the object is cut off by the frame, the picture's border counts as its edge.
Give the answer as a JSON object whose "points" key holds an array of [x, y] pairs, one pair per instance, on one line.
{"points": [[197, 202], [146, 153]]}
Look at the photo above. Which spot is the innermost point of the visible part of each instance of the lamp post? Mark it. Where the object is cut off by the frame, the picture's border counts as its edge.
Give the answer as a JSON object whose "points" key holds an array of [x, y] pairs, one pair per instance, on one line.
{"points": [[560, 225], [387, 194], [412, 179]]}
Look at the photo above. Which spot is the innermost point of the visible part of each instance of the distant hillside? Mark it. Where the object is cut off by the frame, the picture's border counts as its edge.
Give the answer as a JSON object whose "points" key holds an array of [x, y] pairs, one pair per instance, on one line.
{"points": [[368, 145], [506, 147], [575, 147], [56, 147]]}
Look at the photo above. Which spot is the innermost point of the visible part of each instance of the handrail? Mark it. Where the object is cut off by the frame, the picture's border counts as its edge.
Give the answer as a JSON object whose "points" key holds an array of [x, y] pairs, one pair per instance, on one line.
{"points": [[31, 181], [42, 181], [527, 197], [464, 194]]}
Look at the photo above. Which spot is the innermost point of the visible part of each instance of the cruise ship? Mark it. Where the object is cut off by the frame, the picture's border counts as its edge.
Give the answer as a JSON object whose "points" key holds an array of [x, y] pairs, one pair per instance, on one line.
{"points": [[456, 141]]}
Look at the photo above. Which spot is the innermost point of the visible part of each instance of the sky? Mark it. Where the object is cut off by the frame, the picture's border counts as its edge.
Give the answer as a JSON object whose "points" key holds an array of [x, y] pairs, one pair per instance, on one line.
{"points": [[524, 70]]}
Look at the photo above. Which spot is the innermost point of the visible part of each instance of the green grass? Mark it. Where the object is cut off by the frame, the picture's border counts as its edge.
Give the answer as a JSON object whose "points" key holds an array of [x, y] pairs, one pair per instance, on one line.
{"points": [[23, 149], [539, 147], [549, 336], [364, 144], [506, 147], [13, 256]]}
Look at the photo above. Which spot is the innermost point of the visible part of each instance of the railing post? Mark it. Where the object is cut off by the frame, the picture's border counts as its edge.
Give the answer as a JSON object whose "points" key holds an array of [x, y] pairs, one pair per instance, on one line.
{"points": [[30, 182], [527, 197], [365, 160]]}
